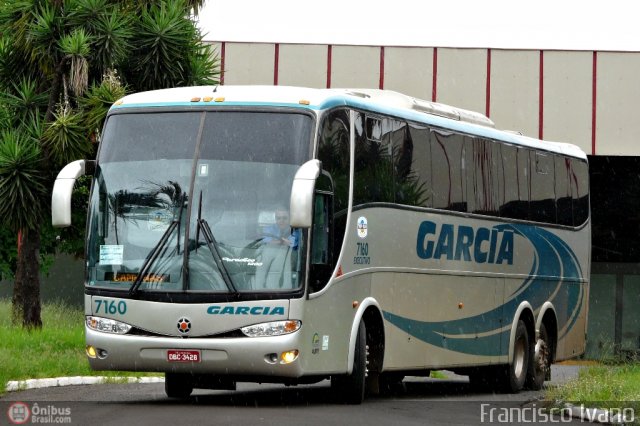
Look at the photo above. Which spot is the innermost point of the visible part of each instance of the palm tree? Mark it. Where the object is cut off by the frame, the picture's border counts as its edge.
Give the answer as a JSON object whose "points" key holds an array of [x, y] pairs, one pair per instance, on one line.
{"points": [[62, 64]]}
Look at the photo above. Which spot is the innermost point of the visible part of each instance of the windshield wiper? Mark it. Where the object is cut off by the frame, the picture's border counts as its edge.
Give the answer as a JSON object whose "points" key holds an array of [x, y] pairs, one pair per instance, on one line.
{"points": [[151, 258], [213, 247]]}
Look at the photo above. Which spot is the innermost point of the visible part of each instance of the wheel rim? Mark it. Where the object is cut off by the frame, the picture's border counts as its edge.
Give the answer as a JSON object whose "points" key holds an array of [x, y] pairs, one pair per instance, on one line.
{"points": [[519, 357], [541, 356]]}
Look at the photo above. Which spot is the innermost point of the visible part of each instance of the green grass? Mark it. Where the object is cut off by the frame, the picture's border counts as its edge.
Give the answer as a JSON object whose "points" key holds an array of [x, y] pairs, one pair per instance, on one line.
{"points": [[435, 374], [54, 351], [603, 383]]}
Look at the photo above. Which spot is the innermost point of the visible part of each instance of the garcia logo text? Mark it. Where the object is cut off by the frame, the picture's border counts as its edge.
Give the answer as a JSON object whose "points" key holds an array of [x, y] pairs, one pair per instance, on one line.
{"points": [[451, 242]]}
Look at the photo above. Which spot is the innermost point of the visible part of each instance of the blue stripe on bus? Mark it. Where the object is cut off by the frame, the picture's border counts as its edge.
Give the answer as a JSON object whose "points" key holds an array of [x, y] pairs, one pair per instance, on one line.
{"points": [[480, 334]]}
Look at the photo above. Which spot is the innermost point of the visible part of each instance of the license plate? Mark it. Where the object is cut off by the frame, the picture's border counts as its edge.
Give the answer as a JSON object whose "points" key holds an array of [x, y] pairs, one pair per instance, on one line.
{"points": [[179, 355]]}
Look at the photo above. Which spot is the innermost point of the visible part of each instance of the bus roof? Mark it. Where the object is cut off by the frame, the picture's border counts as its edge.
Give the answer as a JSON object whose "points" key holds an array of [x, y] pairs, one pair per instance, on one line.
{"points": [[374, 100]]}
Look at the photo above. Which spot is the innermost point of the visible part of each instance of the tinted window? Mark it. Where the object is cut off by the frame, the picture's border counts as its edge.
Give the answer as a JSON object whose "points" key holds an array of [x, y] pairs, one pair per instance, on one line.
{"points": [[333, 152], [150, 136], [373, 166], [565, 186], [448, 171], [514, 165], [260, 137], [543, 199], [411, 188], [420, 164], [581, 191], [482, 177], [524, 184]]}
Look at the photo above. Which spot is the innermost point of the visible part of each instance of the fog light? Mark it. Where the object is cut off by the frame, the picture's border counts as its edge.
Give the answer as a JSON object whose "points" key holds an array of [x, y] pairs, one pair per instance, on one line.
{"points": [[271, 358], [102, 353], [289, 356], [91, 351]]}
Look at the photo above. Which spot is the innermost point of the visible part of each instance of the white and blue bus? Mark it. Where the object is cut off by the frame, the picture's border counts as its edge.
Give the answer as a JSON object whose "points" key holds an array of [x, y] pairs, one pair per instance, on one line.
{"points": [[412, 236]]}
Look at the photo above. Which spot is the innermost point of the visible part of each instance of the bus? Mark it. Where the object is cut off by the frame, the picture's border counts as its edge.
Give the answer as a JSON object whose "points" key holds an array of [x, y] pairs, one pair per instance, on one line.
{"points": [[417, 237]]}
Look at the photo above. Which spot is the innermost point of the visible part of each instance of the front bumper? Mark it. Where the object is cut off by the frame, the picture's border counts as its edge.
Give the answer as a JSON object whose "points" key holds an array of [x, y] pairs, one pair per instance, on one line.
{"points": [[242, 356]]}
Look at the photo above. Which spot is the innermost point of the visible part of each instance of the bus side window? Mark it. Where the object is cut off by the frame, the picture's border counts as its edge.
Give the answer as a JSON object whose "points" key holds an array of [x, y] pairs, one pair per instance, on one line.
{"points": [[419, 176], [564, 188], [514, 183], [543, 197], [448, 173], [580, 179], [334, 153], [321, 264]]}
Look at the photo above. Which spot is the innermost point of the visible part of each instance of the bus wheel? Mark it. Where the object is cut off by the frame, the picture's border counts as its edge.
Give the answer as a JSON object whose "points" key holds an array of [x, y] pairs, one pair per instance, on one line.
{"points": [[540, 362], [514, 375], [350, 388], [178, 385]]}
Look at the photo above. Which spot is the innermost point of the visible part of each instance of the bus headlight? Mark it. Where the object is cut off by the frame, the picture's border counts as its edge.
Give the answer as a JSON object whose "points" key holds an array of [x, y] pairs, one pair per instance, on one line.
{"points": [[106, 325], [275, 328]]}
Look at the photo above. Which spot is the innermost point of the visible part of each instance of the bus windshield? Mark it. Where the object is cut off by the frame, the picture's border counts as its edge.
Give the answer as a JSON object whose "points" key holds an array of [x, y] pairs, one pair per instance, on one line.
{"points": [[198, 202]]}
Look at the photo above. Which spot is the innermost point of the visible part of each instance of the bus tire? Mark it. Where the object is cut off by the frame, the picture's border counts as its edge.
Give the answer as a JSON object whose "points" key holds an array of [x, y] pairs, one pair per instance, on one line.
{"points": [[178, 385], [350, 388], [540, 361], [514, 375]]}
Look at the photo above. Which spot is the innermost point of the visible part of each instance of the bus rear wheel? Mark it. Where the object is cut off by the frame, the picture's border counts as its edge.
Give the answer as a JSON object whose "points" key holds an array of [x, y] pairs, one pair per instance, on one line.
{"points": [[540, 362], [513, 376], [178, 385], [350, 388]]}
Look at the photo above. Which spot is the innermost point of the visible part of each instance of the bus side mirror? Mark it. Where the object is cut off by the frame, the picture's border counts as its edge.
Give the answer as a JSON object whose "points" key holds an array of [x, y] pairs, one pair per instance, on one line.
{"points": [[302, 194], [63, 188]]}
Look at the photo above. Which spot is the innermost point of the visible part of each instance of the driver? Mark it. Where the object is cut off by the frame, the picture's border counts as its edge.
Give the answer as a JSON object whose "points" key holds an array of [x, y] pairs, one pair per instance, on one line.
{"points": [[280, 232]]}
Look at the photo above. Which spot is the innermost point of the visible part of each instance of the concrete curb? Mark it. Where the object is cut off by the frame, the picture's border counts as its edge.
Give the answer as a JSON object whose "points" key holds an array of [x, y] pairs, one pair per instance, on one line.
{"points": [[18, 385]]}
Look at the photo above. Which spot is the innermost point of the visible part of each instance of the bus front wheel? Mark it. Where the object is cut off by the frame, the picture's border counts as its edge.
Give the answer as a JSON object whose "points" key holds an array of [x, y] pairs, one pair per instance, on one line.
{"points": [[178, 385], [350, 388]]}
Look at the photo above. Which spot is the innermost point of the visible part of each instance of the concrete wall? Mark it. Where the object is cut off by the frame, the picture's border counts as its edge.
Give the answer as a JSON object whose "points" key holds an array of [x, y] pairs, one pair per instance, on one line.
{"points": [[415, 78], [618, 92], [462, 78]]}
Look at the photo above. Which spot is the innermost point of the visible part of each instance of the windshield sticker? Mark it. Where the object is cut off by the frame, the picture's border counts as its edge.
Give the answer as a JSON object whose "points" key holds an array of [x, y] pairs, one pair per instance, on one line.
{"points": [[248, 261], [362, 227], [111, 254], [203, 170], [130, 277], [159, 220]]}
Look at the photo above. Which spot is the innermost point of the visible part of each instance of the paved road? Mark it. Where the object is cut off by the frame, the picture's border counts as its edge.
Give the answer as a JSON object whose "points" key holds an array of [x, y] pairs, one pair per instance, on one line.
{"points": [[423, 401]]}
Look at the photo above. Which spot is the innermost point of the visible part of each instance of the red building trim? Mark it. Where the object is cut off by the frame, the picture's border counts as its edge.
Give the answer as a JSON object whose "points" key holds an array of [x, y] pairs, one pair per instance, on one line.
{"points": [[222, 58], [541, 97], [381, 84], [329, 66], [594, 92], [487, 108], [434, 84], [276, 63]]}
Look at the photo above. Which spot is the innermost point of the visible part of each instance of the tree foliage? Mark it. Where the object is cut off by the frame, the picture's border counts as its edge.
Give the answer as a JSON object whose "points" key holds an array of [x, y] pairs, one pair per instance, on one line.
{"points": [[62, 64]]}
